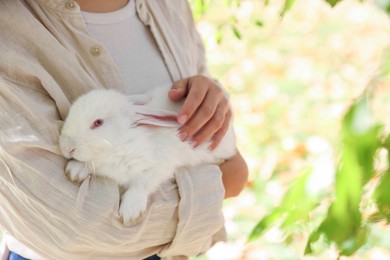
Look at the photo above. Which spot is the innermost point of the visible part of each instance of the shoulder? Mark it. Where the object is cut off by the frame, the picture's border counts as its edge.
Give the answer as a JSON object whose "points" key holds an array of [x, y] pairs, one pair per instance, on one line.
{"points": [[182, 5], [172, 10]]}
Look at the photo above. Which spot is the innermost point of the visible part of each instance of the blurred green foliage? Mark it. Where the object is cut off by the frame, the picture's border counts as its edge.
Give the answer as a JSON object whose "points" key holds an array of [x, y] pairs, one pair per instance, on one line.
{"points": [[201, 6], [360, 196], [384, 4], [295, 206], [344, 224]]}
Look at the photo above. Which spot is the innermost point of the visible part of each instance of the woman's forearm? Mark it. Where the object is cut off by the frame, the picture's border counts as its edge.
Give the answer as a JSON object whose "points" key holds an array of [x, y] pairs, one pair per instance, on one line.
{"points": [[234, 175]]}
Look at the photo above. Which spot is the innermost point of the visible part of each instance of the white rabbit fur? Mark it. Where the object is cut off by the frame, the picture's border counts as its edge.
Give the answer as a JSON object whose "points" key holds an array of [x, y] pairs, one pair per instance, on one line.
{"points": [[127, 148]]}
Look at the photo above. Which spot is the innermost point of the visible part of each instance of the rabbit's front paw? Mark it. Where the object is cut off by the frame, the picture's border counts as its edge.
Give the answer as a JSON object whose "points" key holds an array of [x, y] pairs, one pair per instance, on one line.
{"points": [[76, 171], [132, 207]]}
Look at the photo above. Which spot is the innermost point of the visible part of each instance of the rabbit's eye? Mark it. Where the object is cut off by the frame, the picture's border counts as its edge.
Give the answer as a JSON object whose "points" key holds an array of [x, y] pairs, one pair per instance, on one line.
{"points": [[97, 123]]}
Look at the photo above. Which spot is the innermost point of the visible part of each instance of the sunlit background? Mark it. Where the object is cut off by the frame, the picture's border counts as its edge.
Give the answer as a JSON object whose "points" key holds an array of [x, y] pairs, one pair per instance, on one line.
{"points": [[291, 80]]}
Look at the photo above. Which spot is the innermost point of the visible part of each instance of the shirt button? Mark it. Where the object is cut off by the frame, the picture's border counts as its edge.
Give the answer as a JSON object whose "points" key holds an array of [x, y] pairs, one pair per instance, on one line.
{"points": [[70, 5], [95, 50]]}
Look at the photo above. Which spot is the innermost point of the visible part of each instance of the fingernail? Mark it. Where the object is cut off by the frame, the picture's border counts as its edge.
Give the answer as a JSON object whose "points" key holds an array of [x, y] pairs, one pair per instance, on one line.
{"points": [[176, 90], [212, 145], [193, 143], [182, 135], [182, 119]]}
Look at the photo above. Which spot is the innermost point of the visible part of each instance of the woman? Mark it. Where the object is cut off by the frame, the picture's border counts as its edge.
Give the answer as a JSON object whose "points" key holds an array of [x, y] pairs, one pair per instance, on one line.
{"points": [[51, 52]]}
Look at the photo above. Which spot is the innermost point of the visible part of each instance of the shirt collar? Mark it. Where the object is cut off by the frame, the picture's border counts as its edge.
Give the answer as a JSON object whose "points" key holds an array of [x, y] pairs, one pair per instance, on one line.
{"points": [[63, 6], [71, 6]]}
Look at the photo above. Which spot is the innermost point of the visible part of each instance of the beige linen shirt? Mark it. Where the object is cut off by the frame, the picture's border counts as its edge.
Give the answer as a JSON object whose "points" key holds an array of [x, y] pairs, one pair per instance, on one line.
{"points": [[47, 59]]}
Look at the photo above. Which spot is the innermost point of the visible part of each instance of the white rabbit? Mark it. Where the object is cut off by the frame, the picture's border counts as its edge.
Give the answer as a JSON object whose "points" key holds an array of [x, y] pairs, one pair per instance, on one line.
{"points": [[135, 144]]}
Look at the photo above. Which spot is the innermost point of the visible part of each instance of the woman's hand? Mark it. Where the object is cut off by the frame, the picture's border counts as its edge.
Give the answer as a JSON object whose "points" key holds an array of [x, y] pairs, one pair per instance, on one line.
{"points": [[205, 113]]}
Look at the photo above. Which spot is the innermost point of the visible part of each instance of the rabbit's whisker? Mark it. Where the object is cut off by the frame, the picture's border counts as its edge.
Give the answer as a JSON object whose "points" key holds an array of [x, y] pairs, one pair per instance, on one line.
{"points": [[107, 142], [92, 168]]}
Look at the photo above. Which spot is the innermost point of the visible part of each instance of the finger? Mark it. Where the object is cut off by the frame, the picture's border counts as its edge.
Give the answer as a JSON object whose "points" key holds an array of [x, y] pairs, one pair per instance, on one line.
{"points": [[211, 127], [219, 135], [178, 90], [195, 98], [205, 112]]}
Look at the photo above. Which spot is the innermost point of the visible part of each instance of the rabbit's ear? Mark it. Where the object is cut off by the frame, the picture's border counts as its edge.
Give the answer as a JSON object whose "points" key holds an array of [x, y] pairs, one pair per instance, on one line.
{"points": [[152, 116], [139, 99]]}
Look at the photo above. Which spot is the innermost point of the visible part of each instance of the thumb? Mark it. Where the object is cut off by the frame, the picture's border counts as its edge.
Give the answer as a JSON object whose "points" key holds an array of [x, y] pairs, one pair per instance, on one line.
{"points": [[178, 90]]}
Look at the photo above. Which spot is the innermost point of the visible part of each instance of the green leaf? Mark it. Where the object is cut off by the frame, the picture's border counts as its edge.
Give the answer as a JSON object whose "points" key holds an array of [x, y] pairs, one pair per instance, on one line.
{"points": [[362, 136], [259, 23], [265, 224], [350, 246], [286, 7], [295, 207], [382, 195], [314, 237], [199, 7], [236, 32], [333, 2], [361, 139], [347, 232], [218, 36], [384, 4], [231, 2], [297, 215], [296, 195], [375, 217]]}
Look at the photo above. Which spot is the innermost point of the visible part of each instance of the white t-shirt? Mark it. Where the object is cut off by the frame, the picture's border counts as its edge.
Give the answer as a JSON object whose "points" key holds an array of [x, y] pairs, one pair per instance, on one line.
{"points": [[132, 47]]}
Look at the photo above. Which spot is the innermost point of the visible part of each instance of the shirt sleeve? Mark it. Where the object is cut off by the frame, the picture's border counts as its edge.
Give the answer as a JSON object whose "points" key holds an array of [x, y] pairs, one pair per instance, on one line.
{"points": [[201, 222]]}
